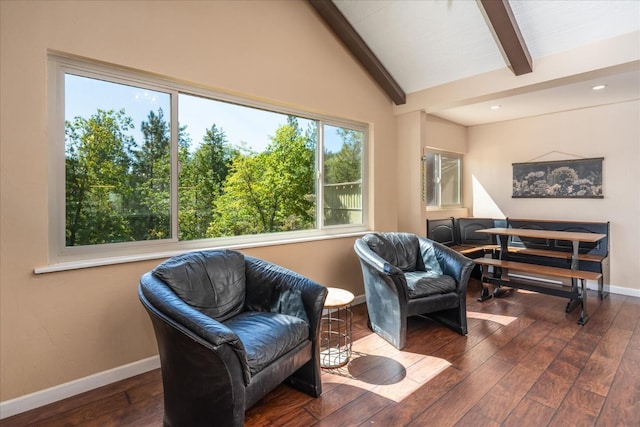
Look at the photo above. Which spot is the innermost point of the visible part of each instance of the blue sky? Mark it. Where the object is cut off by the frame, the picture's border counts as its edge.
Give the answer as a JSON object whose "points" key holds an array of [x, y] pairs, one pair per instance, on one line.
{"points": [[240, 124]]}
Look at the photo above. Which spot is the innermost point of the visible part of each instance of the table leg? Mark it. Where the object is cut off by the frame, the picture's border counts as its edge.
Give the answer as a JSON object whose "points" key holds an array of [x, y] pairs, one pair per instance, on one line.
{"points": [[573, 303], [500, 272]]}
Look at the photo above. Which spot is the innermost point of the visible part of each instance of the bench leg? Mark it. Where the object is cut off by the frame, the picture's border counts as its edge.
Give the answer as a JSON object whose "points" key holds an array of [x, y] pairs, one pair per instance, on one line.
{"points": [[584, 317], [485, 294], [602, 293]]}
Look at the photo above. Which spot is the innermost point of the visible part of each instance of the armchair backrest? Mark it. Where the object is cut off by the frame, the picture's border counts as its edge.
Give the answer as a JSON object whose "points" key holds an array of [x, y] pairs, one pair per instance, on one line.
{"points": [[212, 282], [398, 249]]}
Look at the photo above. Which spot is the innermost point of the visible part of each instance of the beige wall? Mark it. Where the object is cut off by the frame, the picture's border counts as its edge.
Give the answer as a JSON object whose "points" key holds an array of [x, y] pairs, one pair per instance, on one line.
{"points": [[59, 327], [611, 131], [410, 130]]}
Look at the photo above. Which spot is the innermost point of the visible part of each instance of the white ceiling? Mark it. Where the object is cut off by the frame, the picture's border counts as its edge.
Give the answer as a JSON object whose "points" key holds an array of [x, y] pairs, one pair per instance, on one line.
{"points": [[425, 44]]}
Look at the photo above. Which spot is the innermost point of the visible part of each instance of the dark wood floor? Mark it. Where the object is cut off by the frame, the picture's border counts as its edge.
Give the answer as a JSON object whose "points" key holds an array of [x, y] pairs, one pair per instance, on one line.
{"points": [[524, 363]]}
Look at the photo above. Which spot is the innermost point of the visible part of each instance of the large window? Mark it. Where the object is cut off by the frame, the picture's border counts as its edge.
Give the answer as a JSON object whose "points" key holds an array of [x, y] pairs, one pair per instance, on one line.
{"points": [[149, 164], [443, 173]]}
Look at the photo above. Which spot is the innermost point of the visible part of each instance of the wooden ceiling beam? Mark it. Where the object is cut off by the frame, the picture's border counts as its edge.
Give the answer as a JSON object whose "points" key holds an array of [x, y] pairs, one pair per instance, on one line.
{"points": [[358, 48], [506, 29]]}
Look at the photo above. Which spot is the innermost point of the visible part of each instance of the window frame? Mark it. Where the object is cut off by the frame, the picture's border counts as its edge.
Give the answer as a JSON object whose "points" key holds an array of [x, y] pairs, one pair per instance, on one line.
{"points": [[64, 257], [438, 185]]}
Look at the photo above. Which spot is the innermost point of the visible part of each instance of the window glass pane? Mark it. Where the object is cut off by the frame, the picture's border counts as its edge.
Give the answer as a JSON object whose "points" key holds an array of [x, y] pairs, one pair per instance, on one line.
{"points": [[342, 175], [117, 163], [449, 181], [442, 179], [432, 180], [243, 170]]}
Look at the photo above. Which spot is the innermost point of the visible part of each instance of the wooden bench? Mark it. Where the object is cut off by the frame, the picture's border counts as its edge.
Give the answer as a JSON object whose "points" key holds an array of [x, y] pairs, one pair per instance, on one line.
{"points": [[557, 253], [543, 270], [553, 254], [577, 295]]}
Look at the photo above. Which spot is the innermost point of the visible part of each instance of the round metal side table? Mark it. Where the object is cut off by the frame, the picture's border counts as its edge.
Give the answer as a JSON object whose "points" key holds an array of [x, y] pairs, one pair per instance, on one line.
{"points": [[335, 329]]}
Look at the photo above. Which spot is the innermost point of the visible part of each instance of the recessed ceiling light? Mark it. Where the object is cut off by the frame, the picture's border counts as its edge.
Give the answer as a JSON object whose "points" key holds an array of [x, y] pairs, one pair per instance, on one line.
{"points": [[495, 107], [599, 87]]}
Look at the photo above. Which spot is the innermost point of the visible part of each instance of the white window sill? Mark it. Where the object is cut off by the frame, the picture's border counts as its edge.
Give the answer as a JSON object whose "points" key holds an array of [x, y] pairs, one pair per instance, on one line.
{"points": [[99, 262]]}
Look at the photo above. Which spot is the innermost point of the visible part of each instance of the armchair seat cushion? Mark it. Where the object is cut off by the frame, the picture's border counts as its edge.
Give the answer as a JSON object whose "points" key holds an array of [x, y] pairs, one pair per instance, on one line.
{"points": [[424, 284], [267, 336]]}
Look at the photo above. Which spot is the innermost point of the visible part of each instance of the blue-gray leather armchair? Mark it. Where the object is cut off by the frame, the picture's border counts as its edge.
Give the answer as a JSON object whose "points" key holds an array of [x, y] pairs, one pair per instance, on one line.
{"points": [[406, 275], [230, 328]]}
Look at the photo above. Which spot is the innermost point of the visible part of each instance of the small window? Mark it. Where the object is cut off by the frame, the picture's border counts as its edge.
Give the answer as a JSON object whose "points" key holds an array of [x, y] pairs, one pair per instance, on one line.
{"points": [[443, 172]]}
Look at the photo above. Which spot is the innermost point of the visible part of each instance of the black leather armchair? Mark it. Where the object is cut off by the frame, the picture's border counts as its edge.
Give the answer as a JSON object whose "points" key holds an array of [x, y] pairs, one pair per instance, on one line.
{"points": [[230, 329], [406, 275]]}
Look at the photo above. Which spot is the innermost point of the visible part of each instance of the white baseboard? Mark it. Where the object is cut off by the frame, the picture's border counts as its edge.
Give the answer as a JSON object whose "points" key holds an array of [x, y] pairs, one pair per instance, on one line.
{"points": [[623, 291], [40, 398]]}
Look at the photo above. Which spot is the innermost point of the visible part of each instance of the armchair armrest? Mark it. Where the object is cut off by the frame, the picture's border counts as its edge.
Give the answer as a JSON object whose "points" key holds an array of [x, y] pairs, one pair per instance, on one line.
{"points": [[452, 263], [374, 260], [376, 266], [270, 287]]}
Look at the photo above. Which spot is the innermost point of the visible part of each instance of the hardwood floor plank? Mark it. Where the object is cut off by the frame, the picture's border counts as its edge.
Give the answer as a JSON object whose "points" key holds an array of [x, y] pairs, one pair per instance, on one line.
{"points": [[550, 389], [406, 410], [628, 315], [599, 371], [333, 400], [622, 405], [574, 356], [517, 348], [141, 413], [297, 417], [565, 330], [454, 404], [283, 403], [475, 419], [554, 384], [490, 345], [91, 413], [351, 414], [579, 408], [633, 348], [529, 413], [510, 390], [601, 319], [65, 406]]}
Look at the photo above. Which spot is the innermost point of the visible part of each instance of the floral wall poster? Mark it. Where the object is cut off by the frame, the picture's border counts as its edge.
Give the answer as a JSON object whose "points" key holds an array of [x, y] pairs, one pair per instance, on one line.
{"points": [[559, 179]]}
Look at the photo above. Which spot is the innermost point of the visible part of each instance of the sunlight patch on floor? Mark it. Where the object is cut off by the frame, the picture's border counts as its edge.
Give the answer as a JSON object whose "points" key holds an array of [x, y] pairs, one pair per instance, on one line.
{"points": [[503, 320], [380, 368]]}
